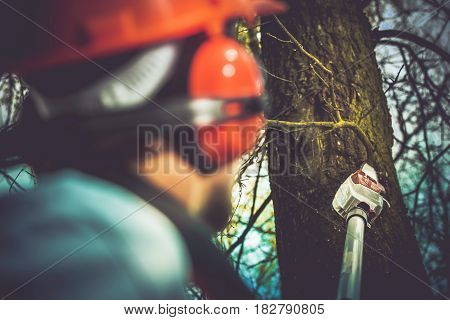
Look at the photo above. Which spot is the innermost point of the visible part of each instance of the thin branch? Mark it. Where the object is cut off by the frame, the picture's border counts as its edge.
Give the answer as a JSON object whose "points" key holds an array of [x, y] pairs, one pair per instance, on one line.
{"points": [[249, 225], [429, 166], [274, 75], [392, 33], [301, 48], [318, 76], [333, 101], [276, 38]]}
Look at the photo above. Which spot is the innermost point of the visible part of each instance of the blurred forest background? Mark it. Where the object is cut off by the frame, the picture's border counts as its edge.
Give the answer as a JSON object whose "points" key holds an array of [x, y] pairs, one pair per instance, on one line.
{"points": [[412, 46]]}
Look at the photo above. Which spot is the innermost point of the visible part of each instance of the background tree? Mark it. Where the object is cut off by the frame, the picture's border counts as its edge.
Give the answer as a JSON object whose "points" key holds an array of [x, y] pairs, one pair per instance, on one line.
{"points": [[340, 116], [421, 25]]}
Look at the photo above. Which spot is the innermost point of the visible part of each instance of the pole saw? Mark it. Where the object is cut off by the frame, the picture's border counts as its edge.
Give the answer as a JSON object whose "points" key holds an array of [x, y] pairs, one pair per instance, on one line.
{"points": [[359, 200]]}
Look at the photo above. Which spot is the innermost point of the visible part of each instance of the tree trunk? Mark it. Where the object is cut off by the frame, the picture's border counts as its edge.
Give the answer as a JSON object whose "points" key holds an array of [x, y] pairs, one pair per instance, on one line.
{"points": [[307, 165]]}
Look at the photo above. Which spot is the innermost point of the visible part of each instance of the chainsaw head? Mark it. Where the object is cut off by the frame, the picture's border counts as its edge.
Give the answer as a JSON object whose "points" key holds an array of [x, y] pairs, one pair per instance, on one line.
{"points": [[361, 189]]}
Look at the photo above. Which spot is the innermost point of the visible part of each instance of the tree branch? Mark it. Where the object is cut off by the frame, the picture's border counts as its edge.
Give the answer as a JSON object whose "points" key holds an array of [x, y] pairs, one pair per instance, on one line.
{"points": [[249, 226], [330, 125], [392, 33], [301, 48]]}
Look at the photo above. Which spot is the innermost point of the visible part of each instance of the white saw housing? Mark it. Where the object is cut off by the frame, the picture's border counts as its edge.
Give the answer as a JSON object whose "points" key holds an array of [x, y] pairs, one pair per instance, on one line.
{"points": [[362, 187]]}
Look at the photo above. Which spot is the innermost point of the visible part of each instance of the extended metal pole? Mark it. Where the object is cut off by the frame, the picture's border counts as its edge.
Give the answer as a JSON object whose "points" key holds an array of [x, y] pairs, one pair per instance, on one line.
{"points": [[350, 279]]}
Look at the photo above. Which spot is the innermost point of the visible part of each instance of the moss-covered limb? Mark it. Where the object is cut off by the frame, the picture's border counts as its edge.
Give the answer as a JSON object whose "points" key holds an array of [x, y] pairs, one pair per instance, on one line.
{"points": [[330, 125], [312, 124]]}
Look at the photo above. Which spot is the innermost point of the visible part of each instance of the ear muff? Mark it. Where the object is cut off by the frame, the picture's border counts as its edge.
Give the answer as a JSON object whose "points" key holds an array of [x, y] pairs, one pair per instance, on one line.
{"points": [[223, 69]]}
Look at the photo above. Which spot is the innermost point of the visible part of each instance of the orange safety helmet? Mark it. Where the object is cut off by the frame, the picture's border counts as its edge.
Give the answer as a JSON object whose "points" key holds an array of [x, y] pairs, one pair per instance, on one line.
{"points": [[69, 31], [60, 32]]}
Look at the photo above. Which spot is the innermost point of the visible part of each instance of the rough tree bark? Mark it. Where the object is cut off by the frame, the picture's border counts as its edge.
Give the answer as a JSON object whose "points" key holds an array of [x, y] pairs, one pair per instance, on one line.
{"points": [[308, 162]]}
